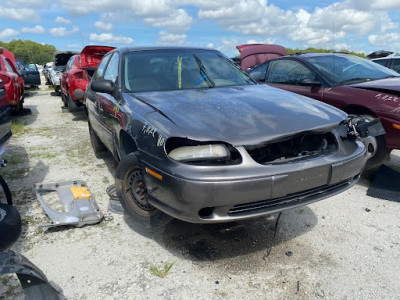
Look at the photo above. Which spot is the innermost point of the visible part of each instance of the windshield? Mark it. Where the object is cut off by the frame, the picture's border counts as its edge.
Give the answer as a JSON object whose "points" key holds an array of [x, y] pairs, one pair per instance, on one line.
{"points": [[156, 70], [344, 69]]}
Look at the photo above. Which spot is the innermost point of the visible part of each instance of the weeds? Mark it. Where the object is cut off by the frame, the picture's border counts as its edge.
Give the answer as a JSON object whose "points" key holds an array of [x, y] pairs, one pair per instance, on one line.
{"points": [[159, 272]]}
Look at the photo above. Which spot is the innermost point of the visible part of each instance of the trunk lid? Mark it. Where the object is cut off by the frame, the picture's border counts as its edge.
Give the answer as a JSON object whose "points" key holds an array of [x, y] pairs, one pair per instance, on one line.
{"points": [[92, 55]]}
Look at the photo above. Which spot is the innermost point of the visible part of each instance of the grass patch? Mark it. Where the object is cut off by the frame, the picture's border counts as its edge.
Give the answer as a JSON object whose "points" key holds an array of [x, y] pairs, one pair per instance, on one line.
{"points": [[161, 272], [32, 89], [14, 159], [19, 128]]}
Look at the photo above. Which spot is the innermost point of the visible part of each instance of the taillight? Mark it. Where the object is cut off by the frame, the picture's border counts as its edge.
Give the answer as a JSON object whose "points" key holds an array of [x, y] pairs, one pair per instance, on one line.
{"points": [[5, 79], [81, 75]]}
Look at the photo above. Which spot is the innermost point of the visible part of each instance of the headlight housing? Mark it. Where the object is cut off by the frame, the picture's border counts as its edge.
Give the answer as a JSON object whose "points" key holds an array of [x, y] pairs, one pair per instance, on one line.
{"points": [[203, 152], [188, 151]]}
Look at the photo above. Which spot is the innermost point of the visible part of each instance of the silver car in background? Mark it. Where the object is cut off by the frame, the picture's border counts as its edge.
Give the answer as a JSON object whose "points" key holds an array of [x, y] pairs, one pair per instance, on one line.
{"points": [[55, 75]]}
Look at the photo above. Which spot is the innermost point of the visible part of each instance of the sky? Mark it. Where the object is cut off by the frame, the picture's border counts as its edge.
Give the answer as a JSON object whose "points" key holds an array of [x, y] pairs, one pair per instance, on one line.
{"points": [[356, 25]]}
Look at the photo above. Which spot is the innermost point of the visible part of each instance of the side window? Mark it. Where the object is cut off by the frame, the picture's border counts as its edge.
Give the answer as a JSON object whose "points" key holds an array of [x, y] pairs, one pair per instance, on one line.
{"points": [[100, 68], [111, 72], [8, 66], [396, 65], [263, 70], [383, 62], [288, 72], [70, 63]]}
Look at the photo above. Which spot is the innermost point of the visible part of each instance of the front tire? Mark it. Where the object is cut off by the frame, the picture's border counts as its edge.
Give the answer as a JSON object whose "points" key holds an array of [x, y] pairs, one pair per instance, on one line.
{"points": [[132, 192]]}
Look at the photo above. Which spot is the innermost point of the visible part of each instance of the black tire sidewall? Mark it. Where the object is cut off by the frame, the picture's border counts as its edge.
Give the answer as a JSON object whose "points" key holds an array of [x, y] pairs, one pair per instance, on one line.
{"points": [[126, 166]]}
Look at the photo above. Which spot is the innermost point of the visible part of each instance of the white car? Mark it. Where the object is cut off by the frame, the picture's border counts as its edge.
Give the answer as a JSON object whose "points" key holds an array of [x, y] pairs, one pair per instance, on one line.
{"points": [[55, 75]]}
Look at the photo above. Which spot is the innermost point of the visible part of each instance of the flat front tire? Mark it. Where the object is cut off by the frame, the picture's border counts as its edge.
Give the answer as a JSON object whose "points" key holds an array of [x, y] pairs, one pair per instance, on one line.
{"points": [[132, 192]]}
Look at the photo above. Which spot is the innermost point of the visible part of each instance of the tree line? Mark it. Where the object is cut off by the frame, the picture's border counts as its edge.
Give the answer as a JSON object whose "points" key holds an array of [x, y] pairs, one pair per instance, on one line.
{"points": [[314, 50], [30, 51]]}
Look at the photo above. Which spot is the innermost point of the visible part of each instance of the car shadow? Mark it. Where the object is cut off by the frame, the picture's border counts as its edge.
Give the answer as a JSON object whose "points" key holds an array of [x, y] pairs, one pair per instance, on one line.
{"points": [[55, 94], [211, 242], [28, 115]]}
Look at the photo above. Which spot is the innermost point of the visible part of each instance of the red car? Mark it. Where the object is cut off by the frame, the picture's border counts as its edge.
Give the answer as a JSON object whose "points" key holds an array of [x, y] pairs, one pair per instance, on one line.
{"points": [[13, 82], [357, 86], [78, 73]]}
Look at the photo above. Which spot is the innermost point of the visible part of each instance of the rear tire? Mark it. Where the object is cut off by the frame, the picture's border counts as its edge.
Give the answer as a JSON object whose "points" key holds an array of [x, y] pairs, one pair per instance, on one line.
{"points": [[132, 192], [5, 194], [99, 148], [72, 104]]}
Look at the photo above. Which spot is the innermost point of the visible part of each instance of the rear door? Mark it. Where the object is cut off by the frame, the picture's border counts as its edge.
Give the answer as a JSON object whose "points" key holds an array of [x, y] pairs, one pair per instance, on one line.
{"points": [[31, 74], [94, 104]]}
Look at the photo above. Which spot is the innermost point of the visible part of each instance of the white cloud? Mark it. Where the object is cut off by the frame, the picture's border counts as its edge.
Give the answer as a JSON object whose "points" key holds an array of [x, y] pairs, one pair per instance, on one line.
{"points": [[179, 21], [73, 46], [62, 31], [61, 20], [24, 3], [19, 14], [35, 30], [109, 38], [385, 4], [388, 41], [7, 34], [103, 26], [171, 39]]}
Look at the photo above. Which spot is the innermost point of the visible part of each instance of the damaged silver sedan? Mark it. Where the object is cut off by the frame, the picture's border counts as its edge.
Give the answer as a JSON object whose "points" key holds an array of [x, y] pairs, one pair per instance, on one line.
{"points": [[198, 140]]}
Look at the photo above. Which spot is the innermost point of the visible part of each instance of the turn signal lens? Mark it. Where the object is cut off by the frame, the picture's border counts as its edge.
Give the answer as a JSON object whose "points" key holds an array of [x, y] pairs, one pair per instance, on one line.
{"points": [[397, 126]]}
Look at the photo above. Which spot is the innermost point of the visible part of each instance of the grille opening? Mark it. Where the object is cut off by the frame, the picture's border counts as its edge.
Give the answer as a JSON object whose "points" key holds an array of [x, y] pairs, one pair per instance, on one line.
{"points": [[294, 148], [206, 212]]}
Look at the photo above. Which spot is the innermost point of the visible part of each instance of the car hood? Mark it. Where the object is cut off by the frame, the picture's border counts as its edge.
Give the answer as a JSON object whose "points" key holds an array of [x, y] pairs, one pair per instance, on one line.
{"points": [[385, 84], [92, 55], [243, 115]]}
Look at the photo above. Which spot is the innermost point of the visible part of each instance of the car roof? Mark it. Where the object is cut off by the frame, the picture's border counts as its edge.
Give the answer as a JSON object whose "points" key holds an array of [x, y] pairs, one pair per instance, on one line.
{"points": [[309, 54], [144, 48], [393, 55]]}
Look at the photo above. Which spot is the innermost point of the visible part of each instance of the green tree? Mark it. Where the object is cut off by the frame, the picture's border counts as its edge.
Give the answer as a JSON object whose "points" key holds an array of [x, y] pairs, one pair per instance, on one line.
{"points": [[30, 51]]}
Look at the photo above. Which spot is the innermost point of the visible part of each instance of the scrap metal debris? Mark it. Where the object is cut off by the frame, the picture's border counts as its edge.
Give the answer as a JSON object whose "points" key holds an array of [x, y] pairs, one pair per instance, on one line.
{"points": [[32, 279], [79, 203]]}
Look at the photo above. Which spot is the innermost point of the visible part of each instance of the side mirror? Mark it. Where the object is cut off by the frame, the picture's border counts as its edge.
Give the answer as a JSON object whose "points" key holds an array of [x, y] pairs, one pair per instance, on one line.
{"points": [[256, 76], [102, 86], [309, 82]]}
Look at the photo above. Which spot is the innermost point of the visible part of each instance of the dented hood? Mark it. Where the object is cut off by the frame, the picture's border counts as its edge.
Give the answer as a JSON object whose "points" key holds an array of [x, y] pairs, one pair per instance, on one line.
{"points": [[92, 55], [392, 84], [244, 115]]}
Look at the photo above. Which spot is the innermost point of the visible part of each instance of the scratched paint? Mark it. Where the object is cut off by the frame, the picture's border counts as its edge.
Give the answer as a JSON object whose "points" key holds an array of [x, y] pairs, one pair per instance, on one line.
{"points": [[385, 97], [152, 131]]}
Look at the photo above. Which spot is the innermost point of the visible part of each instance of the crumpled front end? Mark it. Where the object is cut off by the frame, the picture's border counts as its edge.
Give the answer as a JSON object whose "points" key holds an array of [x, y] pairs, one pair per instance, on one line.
{"points": [[268, 177]]}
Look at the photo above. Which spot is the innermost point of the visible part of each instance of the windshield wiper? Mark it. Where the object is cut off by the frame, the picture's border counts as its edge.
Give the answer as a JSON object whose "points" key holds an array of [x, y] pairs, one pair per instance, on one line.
{"points": [[203, 70], [353, 80]]}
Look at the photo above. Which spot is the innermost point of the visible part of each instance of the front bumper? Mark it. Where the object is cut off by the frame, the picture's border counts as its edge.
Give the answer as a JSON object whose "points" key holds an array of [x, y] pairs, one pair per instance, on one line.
{"points": [[199, 195]]}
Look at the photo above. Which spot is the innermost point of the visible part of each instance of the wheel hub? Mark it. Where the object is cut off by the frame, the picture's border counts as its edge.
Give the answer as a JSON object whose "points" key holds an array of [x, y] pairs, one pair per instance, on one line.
{"points": [[138, 191]]}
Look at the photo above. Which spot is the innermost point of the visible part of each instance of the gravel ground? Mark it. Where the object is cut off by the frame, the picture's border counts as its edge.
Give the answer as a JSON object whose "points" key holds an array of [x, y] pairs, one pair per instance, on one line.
{"points": [[339, 249]]}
